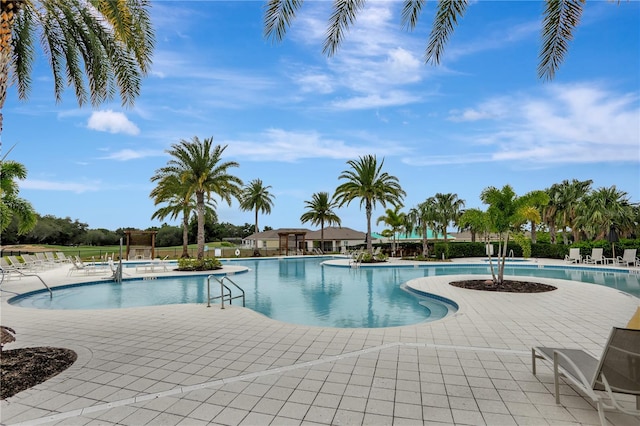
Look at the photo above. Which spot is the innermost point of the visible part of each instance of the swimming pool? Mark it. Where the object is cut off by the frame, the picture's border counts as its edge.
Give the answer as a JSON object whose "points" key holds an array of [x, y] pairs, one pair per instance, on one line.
{"points": [[303, 291], [295, 290]]}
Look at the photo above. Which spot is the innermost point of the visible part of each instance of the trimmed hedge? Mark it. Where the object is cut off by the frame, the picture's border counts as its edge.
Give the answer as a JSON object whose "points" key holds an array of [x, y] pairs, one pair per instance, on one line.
{"points": [[538, 250]]}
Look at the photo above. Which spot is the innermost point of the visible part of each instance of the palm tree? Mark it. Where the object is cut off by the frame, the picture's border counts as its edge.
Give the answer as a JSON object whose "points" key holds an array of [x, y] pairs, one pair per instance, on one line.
{"points": [[474, 221], [198, 167], [320, 211], [424, 217], [256, 197], [448, 209], [568, 199], [536, 201], [366, 181], [170, 192], [11, 205], [558, 25], [605, 209], [395, 219], [96, 47]]}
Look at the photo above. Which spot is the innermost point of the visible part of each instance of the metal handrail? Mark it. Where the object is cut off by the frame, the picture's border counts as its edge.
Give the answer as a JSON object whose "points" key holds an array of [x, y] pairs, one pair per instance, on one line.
{"points": [[222, 293], [28, 275]]}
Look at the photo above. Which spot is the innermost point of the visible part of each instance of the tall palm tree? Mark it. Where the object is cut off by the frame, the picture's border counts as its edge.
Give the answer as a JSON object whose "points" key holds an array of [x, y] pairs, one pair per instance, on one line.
{"points": [[569, 198], [199, 168], [366, 181], [256, 197], [173, 195], [536, 201], [320, 212], [448, 209], [395, 219], [11, 205], [423, 217], [96, 47], [558, 26]]}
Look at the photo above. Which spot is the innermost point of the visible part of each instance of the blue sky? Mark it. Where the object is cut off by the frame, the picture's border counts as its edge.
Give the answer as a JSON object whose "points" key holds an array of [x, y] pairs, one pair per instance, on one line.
{"points": [[293, 117]]}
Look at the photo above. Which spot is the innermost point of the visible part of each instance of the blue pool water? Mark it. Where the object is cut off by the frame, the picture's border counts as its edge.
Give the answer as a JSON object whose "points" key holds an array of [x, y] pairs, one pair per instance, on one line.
{"points": [[302, 291]]}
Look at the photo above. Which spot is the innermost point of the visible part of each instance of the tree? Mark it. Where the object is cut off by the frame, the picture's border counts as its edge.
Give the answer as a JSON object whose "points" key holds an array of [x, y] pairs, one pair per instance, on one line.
{"points": [[11, 205], [105, 45], [366, 181], [506, 211], [199, 168], [568, 199], [474, 221], [175, 197], [603, 210], [395, 219], [448, 209], [423, 217], [256, 197], [560, 18], [536, 200], [320, 211]]}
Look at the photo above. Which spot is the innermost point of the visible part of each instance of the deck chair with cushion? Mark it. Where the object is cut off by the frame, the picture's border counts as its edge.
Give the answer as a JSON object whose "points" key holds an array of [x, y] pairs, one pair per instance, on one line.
{"points": [[595, 257], [574, 256], [628, 258], [616, 372]]}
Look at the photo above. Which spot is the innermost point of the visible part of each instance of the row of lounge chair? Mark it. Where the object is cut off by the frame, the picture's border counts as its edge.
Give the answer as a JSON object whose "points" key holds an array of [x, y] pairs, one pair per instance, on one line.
{"points": [[628, 257]]}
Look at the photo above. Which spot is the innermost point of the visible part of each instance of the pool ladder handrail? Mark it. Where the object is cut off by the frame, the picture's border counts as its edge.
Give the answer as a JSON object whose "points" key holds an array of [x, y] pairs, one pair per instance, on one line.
{"points": [[229, 296], [28, 275]]}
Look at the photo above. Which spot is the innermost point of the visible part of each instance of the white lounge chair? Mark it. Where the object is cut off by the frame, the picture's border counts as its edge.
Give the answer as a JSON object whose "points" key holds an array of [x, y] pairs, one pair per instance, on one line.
{"points": [[62, 257], [617, 371], [595, 257], [628, 258], [574, 256]]}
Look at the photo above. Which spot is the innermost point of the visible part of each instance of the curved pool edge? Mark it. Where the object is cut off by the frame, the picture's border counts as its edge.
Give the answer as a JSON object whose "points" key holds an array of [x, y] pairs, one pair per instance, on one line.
{"points": [[12, 295]]}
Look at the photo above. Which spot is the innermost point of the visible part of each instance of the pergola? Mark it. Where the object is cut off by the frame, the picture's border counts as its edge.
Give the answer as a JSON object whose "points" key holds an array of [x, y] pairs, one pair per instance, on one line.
{"points": [[291, 240], [141, 244]]}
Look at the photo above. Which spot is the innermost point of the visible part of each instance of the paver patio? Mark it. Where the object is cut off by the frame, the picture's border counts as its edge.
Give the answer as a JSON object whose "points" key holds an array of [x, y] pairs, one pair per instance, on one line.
{"points": [[192, 365]]}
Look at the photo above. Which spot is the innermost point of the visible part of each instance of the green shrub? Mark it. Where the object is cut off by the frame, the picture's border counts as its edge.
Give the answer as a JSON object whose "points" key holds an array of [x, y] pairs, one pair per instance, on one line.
{"points": [[206, 264]]}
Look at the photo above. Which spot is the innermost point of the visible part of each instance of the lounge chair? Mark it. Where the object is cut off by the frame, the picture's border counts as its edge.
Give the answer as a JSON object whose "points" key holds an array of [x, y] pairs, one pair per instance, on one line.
{"points": [[62, 257], [574, 256], [616, 372], [628, 258], [595, 257]]}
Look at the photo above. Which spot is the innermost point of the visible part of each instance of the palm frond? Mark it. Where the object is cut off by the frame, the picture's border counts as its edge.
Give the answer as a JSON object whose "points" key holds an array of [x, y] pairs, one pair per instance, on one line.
{"points": [[447, 16], [344, 14], [278, 15], [561, 17], [410, 12]]}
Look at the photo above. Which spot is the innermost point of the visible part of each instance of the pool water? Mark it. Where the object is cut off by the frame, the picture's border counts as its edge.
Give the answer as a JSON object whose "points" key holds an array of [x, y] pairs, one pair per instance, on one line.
{"points": [[303, 291], [299, 291]]}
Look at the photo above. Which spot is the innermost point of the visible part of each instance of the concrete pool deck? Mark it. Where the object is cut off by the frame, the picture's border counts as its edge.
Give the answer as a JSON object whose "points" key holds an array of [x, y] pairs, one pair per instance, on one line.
{"points": [[192, 365]]}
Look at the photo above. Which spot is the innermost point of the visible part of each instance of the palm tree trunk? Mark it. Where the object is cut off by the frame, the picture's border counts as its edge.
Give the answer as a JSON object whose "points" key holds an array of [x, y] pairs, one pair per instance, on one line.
{"points": [[322, 235], [185, 235], [425, 246], [6, 23], [368, 211], [533, 232], [200, 209], [255, 240]]}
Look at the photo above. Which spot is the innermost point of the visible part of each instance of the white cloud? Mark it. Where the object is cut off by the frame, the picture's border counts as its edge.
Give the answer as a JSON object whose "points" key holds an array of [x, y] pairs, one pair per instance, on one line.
{"points": [[48, 185], [562, 124], [112, 122], [130, 154], [282, 145]]}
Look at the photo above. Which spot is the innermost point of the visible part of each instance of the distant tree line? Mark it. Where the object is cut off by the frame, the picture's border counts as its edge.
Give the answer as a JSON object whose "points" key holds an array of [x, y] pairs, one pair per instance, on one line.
{"points": [[66, 232]]}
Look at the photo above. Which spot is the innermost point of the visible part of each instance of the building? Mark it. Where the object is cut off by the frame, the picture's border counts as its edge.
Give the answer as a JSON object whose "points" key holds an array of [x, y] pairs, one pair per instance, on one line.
{"points": [[300, 240]]}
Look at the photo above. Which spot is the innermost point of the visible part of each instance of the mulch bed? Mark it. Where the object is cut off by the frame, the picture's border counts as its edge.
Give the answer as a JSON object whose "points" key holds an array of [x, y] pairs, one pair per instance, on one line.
{"points": [[509, 286], [27, 367]]}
